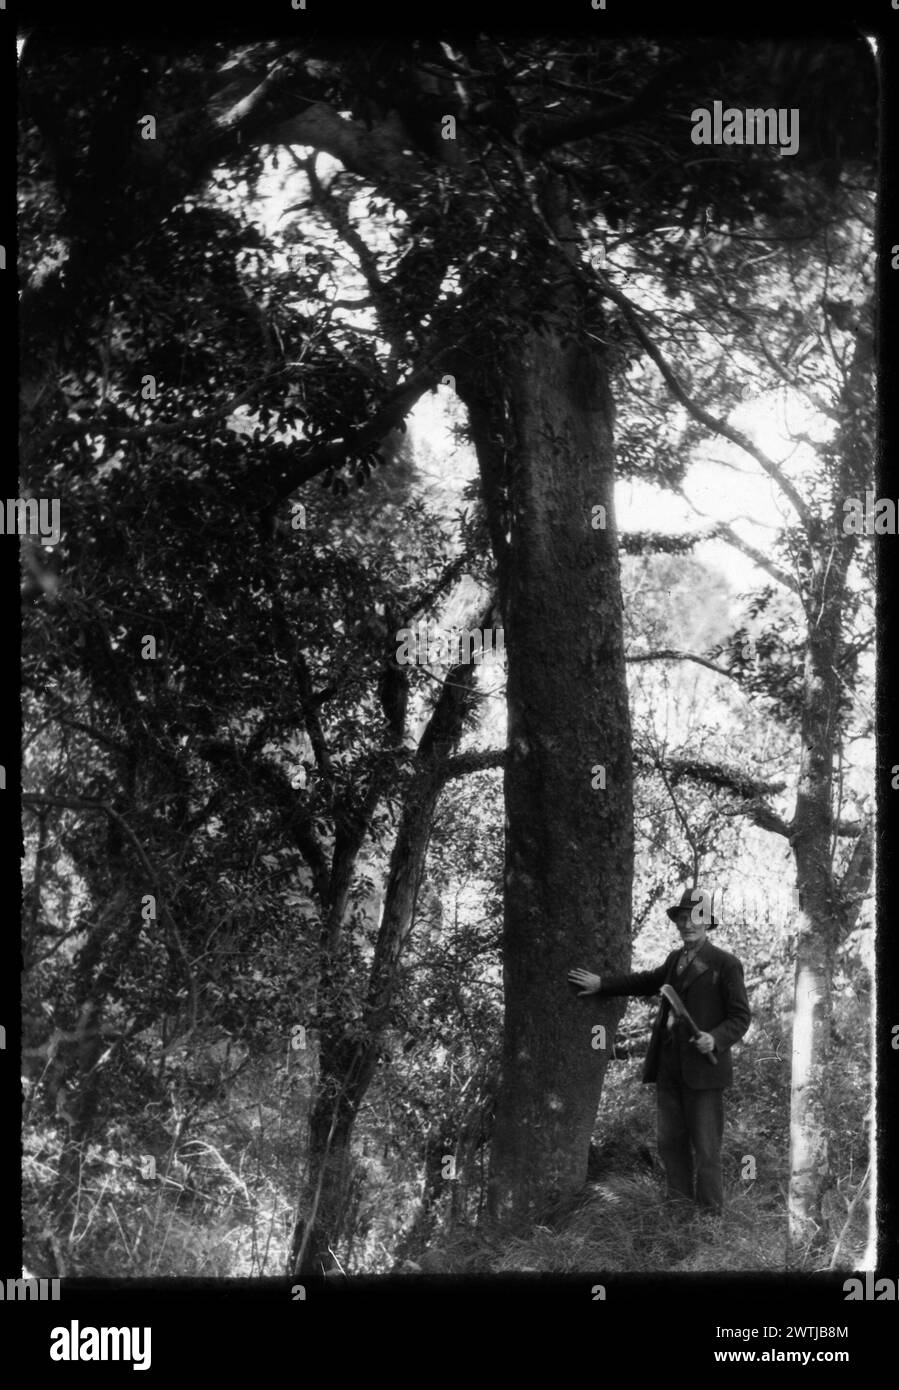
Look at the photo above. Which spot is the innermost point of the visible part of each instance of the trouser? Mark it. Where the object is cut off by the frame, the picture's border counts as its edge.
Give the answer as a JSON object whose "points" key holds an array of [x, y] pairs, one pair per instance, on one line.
{"points": [[690, 1130]]}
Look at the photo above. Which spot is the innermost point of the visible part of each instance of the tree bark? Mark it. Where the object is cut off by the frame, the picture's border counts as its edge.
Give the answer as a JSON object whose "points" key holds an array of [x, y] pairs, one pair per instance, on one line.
{"points": [[818, 929], [568, 775]]}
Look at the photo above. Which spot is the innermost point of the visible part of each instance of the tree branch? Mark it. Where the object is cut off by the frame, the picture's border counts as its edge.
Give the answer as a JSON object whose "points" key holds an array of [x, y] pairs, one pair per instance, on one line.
{"points": [[792, 379], [719, 774], [563, 132], [280, 479], [121, 748], [240, 112], [757, 556], [76, 803], [750, 790], [338, 215], [692, 840], [183, 425], [296, 818], [701, 416], [376, 155], [464, 763], [441, 583], [856, 879], [666, 655]]}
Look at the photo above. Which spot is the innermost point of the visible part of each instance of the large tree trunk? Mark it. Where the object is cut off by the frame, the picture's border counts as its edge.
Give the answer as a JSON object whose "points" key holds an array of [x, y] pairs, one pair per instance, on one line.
{"points": [[568, 780]]}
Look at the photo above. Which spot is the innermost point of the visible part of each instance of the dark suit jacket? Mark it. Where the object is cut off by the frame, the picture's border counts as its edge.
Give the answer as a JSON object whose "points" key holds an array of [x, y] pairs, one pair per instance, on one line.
{"points": [[712, 989]]}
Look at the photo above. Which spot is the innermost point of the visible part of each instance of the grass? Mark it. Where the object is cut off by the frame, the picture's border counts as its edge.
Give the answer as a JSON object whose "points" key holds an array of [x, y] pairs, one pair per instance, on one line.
{"points": [[623, 1225]]}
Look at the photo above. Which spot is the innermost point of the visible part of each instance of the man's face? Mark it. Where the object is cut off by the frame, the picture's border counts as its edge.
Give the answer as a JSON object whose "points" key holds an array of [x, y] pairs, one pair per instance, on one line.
{"points": [[692, 933]]}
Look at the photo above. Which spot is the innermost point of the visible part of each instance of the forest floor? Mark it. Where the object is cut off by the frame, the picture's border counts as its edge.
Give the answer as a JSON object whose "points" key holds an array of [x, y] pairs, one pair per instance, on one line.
{"points": [[621, 1223]]}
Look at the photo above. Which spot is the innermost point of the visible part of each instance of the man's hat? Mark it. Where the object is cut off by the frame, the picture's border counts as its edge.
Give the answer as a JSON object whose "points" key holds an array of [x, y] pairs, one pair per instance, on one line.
{"points": [[698, 901]]}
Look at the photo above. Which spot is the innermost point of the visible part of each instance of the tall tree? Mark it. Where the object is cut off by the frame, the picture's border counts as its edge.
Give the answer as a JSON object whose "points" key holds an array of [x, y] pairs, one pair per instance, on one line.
{"points": [[501, 162]]}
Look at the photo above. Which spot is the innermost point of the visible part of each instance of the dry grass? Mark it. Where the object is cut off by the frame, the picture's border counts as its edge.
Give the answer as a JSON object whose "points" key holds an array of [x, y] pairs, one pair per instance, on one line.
{"points": [[622, 1225]]}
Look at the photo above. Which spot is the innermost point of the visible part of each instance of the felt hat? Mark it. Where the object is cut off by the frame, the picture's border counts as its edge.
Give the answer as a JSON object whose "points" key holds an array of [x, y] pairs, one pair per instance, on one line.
{"points": [[697, 900]]}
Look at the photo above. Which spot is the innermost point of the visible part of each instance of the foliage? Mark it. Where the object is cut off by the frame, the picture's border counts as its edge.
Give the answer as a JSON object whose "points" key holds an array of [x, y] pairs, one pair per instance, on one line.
{"points": [[269, 737]]}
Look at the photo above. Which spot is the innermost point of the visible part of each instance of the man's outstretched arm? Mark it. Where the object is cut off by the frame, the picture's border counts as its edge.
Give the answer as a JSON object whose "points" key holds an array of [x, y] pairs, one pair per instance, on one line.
{"points": [[641, 982]]}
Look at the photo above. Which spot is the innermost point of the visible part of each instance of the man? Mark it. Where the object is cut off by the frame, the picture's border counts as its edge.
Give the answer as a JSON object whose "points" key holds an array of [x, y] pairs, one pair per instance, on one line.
{"points": [[689, 1087]]}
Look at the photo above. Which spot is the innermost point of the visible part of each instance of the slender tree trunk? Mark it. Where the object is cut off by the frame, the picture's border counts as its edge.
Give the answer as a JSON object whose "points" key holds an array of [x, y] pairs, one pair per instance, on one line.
{"points": [[809, 1157], [823, 906], [329, 1165], [820, 909], [347, 1064]]}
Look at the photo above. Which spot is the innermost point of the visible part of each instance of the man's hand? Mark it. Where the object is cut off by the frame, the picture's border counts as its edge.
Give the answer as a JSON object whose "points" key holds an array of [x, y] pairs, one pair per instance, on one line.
{"points": [[705, 1042], [588, 983]]}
